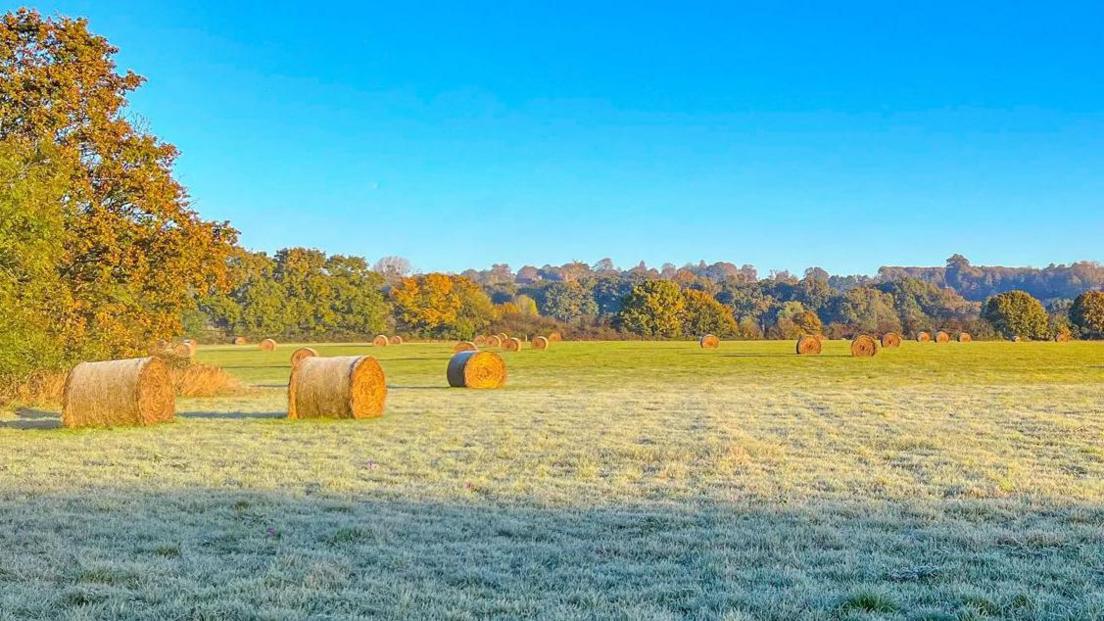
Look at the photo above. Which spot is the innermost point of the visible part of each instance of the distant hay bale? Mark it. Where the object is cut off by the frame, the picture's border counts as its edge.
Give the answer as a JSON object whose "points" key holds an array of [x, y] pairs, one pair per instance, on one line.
{"points": [[193, 346], [942, 337], [396, 340], [302, 353], [1016, 339], [476, 369], [267, 345], [864, 346], [494, 341], [891, 339], [512, 344], [480, 340], [540, 342], [183, 350], [338, 387], [922, 337], [502, 336], [709, 341], [381, 341], [808, 345], [964, 337], [136, 391], [241, 340], [1062, 337], [555, 337], [465, 346]]}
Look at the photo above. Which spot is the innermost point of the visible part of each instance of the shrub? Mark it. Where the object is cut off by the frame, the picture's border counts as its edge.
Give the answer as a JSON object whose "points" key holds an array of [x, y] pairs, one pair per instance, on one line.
{"points": [[1017, 313], [1087, 313]]}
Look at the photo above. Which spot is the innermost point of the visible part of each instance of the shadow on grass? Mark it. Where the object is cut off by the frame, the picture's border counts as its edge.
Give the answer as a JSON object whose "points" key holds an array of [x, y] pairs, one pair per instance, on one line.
{"points": [[33, 418], [231, 415]]}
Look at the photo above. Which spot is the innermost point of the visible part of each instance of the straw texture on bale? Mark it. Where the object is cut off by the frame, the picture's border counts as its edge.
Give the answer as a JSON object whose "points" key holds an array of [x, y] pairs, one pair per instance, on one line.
{"points": [[396, 340], [808, 345], [476, 369], [381, 341], [464, 346], [339, 387], [512, 344], [864, 346], [480, 340], [709, 341], [555, 337], [964, 337], [891, 339], [942, 337], [267, 345], [298, 355], [136, 391], [540, 342], [240, 340], [182, 350], [922, 337], [494, 341]]}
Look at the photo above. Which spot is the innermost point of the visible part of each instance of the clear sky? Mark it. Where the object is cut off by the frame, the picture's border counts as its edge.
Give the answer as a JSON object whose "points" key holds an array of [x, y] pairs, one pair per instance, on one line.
{"points": [[843, 135]]}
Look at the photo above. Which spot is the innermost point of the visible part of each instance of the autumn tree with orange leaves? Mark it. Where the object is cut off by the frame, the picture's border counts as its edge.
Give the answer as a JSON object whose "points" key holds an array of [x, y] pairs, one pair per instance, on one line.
{"points": [[441, 306]]}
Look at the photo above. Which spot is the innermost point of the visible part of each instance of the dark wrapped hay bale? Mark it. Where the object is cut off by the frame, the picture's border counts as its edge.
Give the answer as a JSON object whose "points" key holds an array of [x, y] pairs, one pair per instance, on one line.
{"points": [[864, 346], [339, 387], [891, 339], [136, 391], [709, 341], [476, 369], [808, 345]]}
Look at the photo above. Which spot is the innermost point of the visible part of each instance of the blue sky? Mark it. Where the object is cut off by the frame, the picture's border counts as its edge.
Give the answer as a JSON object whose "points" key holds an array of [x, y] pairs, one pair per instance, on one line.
{"points": [[843, 135]]}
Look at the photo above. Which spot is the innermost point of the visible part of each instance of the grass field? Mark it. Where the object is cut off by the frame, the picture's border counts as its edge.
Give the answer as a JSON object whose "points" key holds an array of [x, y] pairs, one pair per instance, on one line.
{"points": [[607, 480]]}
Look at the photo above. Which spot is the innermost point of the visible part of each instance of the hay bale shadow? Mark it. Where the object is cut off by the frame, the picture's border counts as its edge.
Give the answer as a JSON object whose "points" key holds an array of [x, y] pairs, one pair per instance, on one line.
{"points": [[33, 418], [230, 415]]}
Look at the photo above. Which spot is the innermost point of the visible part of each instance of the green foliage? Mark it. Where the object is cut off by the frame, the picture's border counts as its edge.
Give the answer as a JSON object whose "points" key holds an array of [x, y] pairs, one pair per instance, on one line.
{"points": [[654, 308], [568, 301], [1087, 313], [705, 315], [866, 310], [1017, 314]]}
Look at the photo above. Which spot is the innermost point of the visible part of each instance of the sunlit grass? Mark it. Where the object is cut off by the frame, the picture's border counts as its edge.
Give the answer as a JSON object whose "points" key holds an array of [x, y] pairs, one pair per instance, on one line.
{"points": [[625, 480]]}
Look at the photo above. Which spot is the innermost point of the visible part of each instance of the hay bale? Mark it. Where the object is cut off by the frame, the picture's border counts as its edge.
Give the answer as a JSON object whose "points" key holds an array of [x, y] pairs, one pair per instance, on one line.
{"points": [[922, 337], [298, 355], [808, 345], [465, 346], [193, 346], [891, 339], [396, 340], [864, 346], [494, 341], [480, 340], [381, 341], [709, 341], [540, 342], [182, 350], [942, 337], [555, 337], [512, 344], [1062, 337], [338, 387], [267, 345], [240, 340], [964, 337], [136, 391], [476, 369], [502, 336]]}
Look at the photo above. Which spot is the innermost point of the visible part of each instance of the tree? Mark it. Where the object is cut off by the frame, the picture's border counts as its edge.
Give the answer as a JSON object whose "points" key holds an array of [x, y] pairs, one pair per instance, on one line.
{"points": [[392, 268], [705, 315], [358, 304], [567, 301], [1087, 313], [653, 308], [865, 309], [1017, 314], [441, 306], [135, 255]]}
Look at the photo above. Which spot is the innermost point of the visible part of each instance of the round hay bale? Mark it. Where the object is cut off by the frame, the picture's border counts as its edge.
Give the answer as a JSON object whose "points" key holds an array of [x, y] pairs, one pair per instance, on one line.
{"points": [[476, 369], [338, 387], [480, 340], [182, 350], [555, 337], [1017, 339], [891, 339], [298, 355], [821, 338], [494, 341], [964, 337], [136, 391], [942, 337], [193, 346], [864, 346], [540, 342], [465, 346], [396, 340], [709, 341], [240, 340], [267, 345], [381, 341], [808, 345], [512, 344], [922, 337], [1062, 337], [502, 336]]}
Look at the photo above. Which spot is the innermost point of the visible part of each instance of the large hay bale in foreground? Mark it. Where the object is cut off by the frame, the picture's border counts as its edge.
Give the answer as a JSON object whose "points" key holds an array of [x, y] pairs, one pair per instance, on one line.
{"points": [[922, 337], [864, 346], [476, 369], [381, 341], [267, 345], [942, 337], [555, 337], [808, 345], [396, 340], [891, 339], [512, 344], [241, 340], [338, 387], [302, 353], [540, 342], [709, 341], [136, 391], [465, 346], [964, 337], [494, 341]]}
